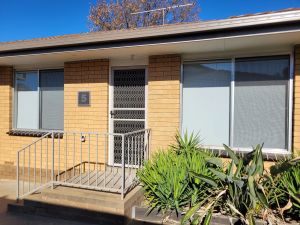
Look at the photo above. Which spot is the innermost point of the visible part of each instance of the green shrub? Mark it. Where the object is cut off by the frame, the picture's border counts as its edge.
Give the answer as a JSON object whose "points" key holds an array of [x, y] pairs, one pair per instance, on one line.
{"points": [[236, 189], [285, 195], [165, 177], [189, 179]]}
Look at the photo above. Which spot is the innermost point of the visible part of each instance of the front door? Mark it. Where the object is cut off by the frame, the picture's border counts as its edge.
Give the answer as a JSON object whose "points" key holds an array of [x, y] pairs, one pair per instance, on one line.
{"points": [[128, 108]]}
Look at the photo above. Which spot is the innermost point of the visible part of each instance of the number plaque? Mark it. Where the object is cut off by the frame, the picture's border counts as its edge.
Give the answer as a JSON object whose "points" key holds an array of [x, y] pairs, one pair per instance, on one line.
{"points": [[83, 98]]}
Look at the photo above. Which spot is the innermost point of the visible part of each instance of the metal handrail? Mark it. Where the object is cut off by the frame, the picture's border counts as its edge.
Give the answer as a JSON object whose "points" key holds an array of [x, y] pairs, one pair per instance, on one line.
{"points": [[83, 160], [40, 138]]}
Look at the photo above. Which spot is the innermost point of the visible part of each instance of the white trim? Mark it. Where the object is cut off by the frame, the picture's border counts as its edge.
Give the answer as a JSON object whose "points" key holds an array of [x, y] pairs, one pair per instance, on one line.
{"points": [[129, 119], [291, 102], [181, 131], [39, 100], [231, 103], [15, 101], [110, 107], [146, 97], [278, 151], [111, 103], [233, 54], [132, 109]]}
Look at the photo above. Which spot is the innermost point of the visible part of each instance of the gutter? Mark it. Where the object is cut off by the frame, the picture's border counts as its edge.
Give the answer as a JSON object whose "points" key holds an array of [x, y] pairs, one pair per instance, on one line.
{"points": [[261, 24]]}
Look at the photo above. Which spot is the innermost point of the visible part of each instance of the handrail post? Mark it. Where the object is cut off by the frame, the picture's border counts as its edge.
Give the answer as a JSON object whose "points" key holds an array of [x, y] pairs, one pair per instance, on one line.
{"points": [[52, 174], [123, 166], [18, 186]]}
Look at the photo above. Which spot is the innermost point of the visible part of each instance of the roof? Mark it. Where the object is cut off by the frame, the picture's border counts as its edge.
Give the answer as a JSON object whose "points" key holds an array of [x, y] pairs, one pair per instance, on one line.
{"points": [[174, 30]]}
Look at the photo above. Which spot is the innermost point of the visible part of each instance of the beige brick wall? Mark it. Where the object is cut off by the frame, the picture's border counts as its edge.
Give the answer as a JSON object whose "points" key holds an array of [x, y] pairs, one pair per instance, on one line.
{"points": [[296, 116], [90, 76], [163, 99], [8, 144]]}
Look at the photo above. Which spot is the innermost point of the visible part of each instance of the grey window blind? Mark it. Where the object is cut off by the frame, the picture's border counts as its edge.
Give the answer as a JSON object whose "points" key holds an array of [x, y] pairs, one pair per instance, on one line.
{"points": [[206, 101], [52, 99], [261, 102]]}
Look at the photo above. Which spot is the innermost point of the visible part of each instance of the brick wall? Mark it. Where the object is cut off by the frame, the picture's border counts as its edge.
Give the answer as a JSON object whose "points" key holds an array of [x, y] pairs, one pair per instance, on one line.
{"points": [[163, 99], [8, 144], [90, 76], [296, 128]]}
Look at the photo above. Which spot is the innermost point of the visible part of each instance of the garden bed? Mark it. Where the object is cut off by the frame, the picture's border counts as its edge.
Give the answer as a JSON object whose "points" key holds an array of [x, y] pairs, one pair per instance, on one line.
{"points": [[140, 214], [191, 179]]}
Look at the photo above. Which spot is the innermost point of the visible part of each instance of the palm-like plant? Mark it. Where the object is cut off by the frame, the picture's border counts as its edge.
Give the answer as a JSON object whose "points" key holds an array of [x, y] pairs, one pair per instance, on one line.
{"points": [[167, 185], [285, 193], [186, 143], [237, 189]]}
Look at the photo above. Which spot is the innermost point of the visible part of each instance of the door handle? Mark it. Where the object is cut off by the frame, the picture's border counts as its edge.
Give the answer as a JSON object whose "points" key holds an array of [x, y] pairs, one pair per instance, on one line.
{"points": [[112, 114]]}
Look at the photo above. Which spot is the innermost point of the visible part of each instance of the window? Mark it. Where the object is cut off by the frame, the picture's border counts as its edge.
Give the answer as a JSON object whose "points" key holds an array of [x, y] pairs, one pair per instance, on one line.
{"points": [[39, 100], [242, 108], [260, 102], [206, 94]]}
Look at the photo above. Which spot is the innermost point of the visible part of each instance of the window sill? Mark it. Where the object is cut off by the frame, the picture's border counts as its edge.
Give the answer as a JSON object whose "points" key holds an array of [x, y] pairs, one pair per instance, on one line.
{"points": [[28, 133], [268, 153]]}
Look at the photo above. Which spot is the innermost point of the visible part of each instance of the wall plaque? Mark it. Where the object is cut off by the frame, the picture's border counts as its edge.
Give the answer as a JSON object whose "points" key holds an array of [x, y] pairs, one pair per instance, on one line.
{"points": [[83, 98]]}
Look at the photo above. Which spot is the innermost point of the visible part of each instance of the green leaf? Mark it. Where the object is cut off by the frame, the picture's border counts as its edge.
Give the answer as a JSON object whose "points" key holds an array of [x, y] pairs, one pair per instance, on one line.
{"points": [[231, 154], [196, 220], [215, 161], [205, 179], [252, 190], [190, 213], [222, 176], [238, 182], [208, 218], [262, 198]]}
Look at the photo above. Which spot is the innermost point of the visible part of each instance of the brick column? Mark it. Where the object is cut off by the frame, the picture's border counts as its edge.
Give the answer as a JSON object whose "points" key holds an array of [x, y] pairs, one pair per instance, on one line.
{"points": [[7, 154], [296, 114], [163, 99]]}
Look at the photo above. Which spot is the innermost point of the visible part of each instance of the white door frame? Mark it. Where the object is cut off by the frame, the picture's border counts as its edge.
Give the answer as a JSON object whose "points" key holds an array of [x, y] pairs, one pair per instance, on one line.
{"points": [[111, 104]]}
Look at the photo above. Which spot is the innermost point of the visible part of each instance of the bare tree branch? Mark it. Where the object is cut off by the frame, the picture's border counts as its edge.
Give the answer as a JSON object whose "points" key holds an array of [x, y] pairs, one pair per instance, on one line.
{"points": [[117, 14]]}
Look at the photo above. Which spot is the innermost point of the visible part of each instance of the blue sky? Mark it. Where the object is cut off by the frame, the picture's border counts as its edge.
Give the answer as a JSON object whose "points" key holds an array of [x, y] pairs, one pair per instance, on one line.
{"points": [[25, 19]]}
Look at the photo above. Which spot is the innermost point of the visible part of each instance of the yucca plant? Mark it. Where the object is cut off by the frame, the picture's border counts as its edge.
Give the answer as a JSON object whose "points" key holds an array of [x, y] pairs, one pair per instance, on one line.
{"points": [[236, 189], [165, 182], [167, 185], [186, 143]]}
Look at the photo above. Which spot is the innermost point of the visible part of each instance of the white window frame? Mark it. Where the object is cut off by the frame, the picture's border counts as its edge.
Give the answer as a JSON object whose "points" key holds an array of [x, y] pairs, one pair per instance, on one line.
{"points": [[276, 151], [15, 98]]}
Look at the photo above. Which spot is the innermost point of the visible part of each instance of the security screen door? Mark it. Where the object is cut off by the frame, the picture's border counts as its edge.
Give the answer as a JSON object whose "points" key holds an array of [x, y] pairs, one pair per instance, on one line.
{"points": [[128, 109]]}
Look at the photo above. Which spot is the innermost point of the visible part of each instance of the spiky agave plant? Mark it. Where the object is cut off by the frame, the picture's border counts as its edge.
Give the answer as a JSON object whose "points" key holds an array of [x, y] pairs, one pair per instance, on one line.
{"points": [[285, 193], [237, 189]]}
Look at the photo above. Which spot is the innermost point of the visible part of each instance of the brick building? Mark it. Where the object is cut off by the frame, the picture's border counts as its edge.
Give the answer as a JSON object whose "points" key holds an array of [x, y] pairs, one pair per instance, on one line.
{"points": [[235, 81]]}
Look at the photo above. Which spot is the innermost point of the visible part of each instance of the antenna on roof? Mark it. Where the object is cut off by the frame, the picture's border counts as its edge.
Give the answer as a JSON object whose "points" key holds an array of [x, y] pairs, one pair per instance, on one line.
{"points": [[163, 10]]}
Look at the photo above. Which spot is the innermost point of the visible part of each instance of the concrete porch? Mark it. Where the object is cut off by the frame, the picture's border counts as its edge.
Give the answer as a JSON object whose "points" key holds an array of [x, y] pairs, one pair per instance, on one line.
{"points": [[80, 205]]}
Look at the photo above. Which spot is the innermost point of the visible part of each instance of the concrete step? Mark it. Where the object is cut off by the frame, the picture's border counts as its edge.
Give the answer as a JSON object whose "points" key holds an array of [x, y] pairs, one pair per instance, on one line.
{"points": [[81, 205], [69, 213]]}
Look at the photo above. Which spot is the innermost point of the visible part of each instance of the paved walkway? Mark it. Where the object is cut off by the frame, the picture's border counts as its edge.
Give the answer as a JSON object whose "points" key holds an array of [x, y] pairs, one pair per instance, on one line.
{"points": [[7, 195]]}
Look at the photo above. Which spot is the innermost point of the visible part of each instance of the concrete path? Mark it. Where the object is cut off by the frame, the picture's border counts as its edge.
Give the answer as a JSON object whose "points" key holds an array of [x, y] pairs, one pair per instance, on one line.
{"points": [[7, 195]]}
